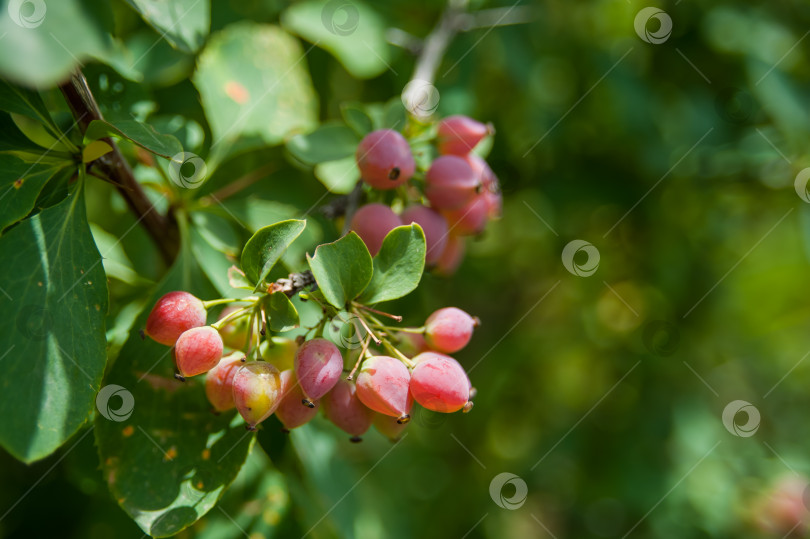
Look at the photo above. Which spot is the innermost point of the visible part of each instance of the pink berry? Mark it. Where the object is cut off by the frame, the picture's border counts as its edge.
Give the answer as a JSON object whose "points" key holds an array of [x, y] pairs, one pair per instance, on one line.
{"points": [[389, 426], [372, 222], [382, 385], [318, 365], [433, 225], [458, 135], [449, 330], [173, 314], [452, 256], [342, 407], [491, 187], [289, 411], [471, 218], [198, 350], [450, 183], [384, 159], [256, 391], [439, 383], [219, 382]]}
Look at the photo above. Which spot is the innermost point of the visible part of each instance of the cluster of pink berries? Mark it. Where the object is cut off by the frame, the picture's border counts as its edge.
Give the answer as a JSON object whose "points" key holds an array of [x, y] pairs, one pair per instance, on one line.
{"points": [[462, 191], [294, 378]]}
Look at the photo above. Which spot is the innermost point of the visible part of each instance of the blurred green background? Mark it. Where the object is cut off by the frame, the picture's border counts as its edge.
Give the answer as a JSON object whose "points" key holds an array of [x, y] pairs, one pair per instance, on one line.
{"points": [[605, 393]]}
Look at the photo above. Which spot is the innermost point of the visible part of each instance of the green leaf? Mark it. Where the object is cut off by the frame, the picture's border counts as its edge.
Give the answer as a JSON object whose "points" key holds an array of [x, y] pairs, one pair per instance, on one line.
{"points": [[141, 134], [342, 269], [213, 263], [329, 142], [238, 280], [338, 176], [266, 246], [282, 313], [169, 462], [351, 31], [117, 264], [394, 114], [398, 266], [20, 185], [26, 102], [14, 142], [54, 303], [254, 83], [356, 117], [44, 41], [184, 23]]}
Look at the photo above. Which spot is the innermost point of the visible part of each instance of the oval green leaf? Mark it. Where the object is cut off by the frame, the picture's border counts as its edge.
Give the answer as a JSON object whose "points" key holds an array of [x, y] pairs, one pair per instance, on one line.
{"points": [[266, 246], [343, 269], [398, 266]]}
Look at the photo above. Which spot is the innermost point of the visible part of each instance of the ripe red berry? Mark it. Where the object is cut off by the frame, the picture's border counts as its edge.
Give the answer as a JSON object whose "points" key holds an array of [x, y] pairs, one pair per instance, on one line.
{"points": [[388, 426], [491, 186], [384, 159], [342, 407], [433, 225], [439, 383], [173, 314], [256, 391], [458, 135], [452, 256], [219, 382], [449, 329], [372, 222], [450, 183], [198, 350], [471, 218], [382, 385], [289, 411], [318, 365]]}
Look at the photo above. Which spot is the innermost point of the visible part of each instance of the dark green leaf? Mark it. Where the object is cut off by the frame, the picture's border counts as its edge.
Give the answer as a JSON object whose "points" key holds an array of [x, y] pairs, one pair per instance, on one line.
{"points": [[20, 185], [214, 264], [14, 142], [268, 96], [394, 114], [353, 32], [398, 266], [342, 269], [356, 117], [170, 461], [184, 23], [329, 142], [282, 313], [54, 302], [266, 246], [24, 101], [141, 134]]}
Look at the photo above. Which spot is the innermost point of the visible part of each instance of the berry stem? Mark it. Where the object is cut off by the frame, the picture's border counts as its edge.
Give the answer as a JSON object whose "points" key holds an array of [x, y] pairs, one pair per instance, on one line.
{"points": [[375, 311], [371, 333], [360, 358], [214, 302], [233, 316], [399, 355]]}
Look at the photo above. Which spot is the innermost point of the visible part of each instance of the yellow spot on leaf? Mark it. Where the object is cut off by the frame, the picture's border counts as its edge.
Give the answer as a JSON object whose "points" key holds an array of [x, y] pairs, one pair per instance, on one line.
{"points": [[128, 430], [18, 183]]}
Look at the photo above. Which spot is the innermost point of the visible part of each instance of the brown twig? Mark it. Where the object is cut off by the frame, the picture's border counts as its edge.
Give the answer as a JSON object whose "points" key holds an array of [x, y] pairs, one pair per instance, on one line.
{"points": [[293, 284], [162, 229]]}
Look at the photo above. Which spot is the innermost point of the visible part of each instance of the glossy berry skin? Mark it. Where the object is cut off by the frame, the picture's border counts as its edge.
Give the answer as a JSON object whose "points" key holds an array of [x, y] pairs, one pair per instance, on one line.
{"points": [[290, 411], [280, 352], [449, 330], [198, 350], [458, 135], [342, 407], [471, 218], [452, 256], [383, 384], [173, 314], [318, 365], [372, 222], [450, 183], [385, 159], [256, 391], [433, 225], [389, 426], [491, 186], [439, 383], [219, 382]]}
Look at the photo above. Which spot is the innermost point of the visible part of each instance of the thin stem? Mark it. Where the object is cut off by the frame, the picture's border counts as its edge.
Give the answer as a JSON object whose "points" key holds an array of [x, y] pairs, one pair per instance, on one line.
{"points": [[371, 333], [214, 302], [438, 40], [360, 358], [388, 346], [400, 330], [375, 311], [233, 316]]}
